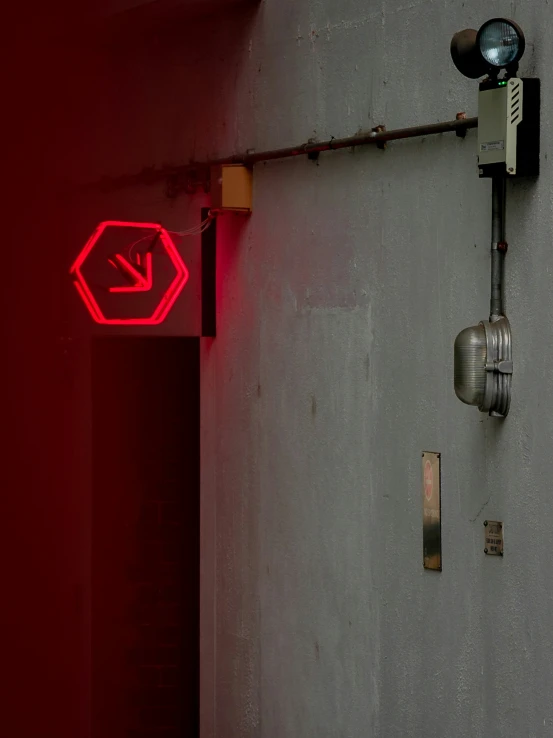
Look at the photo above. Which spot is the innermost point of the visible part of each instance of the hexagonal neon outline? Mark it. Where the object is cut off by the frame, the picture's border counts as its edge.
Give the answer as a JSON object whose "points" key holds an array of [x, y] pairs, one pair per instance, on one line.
{"points": [[168, 299]]}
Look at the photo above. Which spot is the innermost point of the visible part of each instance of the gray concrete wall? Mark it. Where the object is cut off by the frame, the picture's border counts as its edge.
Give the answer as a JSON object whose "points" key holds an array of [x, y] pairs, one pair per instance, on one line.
{"points": [[339, 300], [332, 371]]}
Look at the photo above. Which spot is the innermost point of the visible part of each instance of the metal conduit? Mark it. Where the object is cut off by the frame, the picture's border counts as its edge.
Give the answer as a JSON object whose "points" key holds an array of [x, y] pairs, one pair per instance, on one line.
{"points": [[360, 140], [151, 176], [499, 248]]}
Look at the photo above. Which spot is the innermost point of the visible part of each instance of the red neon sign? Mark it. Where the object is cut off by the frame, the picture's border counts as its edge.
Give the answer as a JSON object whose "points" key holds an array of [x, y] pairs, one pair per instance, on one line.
{"points": [[139, 273]]}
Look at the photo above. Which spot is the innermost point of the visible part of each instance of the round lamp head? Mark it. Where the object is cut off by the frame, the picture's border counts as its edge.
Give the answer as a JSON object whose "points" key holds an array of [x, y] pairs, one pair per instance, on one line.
{"points": [[497, 45], [466, 55], [500, 42]]}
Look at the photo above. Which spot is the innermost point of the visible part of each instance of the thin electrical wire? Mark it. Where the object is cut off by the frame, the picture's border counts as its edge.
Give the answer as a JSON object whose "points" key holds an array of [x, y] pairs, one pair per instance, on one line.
{"points": [[191, 231], [131, 247], [195, 231]]}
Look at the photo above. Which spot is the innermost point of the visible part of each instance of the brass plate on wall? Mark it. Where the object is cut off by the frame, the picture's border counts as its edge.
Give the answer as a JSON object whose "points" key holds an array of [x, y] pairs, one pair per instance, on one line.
{"points": [[432, 511], [493, 538]]}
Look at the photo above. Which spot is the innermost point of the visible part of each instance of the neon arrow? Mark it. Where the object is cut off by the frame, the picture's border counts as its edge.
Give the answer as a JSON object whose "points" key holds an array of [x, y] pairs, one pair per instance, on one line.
{"points": [[140, 276]]}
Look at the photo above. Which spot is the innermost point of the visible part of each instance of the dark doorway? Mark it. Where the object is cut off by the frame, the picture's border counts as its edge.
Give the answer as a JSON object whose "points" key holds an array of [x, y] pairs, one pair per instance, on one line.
{"points": [[145, 537]]}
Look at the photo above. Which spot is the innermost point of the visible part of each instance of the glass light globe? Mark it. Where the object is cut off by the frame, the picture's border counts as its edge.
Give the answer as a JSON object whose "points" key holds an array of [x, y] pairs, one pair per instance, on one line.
{"points": [[499, 43]]}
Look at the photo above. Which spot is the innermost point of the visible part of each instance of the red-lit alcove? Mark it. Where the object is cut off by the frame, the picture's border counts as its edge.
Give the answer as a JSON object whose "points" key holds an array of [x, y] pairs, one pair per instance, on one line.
{"points": [[145, 537], [84, 102]]}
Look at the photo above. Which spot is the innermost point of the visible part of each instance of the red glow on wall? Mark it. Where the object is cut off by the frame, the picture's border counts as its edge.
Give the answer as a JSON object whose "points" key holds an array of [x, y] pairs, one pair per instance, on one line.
{"points": [[138, 271]]}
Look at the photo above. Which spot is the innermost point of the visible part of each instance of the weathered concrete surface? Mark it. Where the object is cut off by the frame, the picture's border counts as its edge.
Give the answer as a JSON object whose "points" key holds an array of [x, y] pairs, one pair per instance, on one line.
{"points": [[332, 371]]}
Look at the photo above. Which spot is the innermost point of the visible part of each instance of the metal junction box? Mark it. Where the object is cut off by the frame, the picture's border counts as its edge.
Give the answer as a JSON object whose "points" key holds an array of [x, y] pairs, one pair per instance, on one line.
{"points": [[231, 188], [509, 127]]}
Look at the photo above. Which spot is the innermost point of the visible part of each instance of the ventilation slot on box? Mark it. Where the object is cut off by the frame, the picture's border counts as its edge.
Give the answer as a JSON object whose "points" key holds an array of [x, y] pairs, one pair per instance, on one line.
{"points": [[515, 106]]}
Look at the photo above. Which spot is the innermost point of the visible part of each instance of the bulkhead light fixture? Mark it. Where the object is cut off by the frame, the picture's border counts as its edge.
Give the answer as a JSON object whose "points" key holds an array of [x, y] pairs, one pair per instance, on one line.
{"points": [[483, 366], [482, 354]]}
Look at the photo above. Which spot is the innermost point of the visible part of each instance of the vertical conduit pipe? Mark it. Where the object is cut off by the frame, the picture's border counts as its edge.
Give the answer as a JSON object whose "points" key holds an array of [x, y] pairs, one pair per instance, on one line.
{"points": [[499, 247]]}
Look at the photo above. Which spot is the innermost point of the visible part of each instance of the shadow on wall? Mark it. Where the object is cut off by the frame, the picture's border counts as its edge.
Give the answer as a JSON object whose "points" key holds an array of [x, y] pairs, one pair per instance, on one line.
{"points": [[156, 86]]}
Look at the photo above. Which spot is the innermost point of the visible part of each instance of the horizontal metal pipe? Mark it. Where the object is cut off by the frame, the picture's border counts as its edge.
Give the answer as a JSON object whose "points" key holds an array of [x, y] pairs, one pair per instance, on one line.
{"points": [[151, 176], [359, 140]]}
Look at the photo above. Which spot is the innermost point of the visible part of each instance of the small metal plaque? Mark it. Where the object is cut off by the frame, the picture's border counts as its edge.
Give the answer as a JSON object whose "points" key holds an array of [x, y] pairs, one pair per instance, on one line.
{"points": [[492, 146], [493, 538], [432, 511]]}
